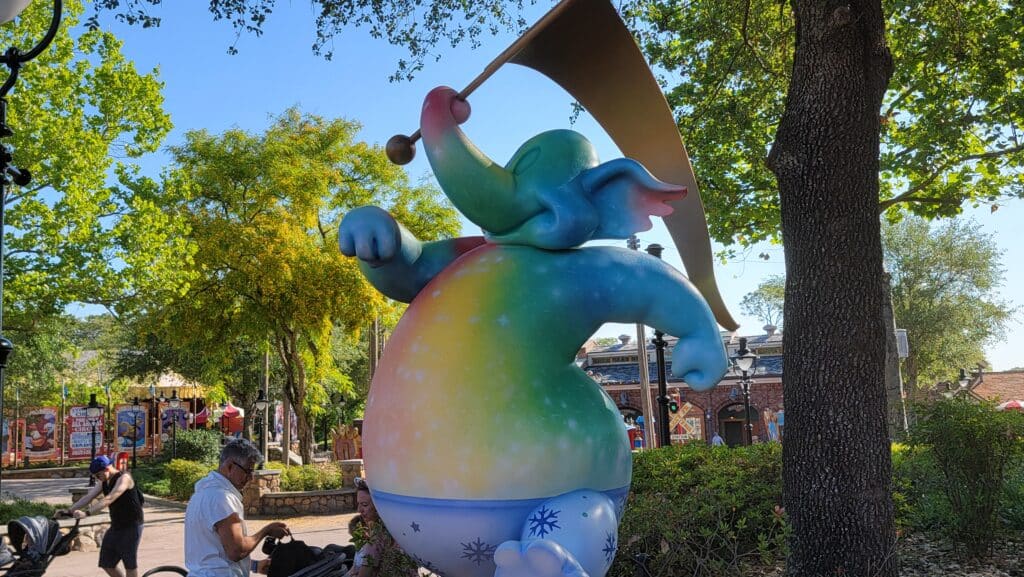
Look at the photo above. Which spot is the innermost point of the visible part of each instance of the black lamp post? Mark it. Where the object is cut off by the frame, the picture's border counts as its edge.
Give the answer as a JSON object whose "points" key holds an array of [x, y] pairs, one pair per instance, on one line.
{"points": [[174, 402], [261, 405], [13, 59], [664, 434], [744, 362], [136, 409], [93, 410]]}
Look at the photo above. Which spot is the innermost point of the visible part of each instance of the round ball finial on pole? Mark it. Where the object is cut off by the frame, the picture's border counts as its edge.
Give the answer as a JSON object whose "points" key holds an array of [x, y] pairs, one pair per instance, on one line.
{"points": [[401, 149]]}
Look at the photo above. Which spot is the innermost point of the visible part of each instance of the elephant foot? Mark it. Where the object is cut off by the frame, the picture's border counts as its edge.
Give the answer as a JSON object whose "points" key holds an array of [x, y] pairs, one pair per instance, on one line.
{"points": [[536, 558]]}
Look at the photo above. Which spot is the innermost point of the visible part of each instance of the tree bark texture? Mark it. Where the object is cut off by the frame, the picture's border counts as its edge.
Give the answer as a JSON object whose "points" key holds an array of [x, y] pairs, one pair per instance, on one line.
{"points": [[836, 460]]}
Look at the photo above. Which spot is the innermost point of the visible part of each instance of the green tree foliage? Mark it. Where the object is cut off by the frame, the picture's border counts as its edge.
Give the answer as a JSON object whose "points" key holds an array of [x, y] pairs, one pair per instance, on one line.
{"points": [[952, 119], [80, 112], [766, 303], [945, 284], [262, 212]]}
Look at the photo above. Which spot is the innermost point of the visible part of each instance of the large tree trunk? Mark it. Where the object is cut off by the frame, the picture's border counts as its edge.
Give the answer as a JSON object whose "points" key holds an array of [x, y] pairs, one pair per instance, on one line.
{"points": [[295, 390], [836, 460]]}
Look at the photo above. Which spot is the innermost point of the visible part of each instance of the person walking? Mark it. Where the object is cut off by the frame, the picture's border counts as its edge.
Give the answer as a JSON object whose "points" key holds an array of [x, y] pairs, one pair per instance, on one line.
{"points": [[124, 499], [217, 541], [716, 440]]}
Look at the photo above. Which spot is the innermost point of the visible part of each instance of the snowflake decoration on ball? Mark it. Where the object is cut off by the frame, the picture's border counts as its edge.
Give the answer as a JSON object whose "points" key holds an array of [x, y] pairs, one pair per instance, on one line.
{"points": [[544, 522], [610, 546], [478, 551]]}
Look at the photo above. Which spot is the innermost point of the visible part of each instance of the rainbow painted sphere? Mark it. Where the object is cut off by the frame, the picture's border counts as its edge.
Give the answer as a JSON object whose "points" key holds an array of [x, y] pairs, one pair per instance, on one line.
{"points": [[478, 397]]}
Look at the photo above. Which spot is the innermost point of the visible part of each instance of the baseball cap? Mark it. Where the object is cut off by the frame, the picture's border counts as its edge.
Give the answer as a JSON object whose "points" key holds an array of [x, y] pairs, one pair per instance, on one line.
{"points": [[98, 464]]}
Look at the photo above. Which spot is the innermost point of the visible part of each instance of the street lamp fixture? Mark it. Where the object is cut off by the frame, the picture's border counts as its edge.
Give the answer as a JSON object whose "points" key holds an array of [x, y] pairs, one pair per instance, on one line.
{"points": [[175, 403], [744, 361], [13, 59], [136, 409], [664, 434], [93, 411], [261, 403]]}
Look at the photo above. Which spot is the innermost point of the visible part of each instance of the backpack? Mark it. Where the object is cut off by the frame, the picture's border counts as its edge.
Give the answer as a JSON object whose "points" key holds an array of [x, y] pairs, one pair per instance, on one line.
{"points": [[288, 558]]}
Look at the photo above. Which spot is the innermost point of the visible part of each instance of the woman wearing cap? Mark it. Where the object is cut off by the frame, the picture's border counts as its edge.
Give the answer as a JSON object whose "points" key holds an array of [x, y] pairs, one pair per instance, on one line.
{"points": [[121, 542]]}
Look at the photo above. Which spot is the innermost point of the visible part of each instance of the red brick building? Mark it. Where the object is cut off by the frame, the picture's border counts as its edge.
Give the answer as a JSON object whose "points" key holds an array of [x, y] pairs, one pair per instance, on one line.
{"points": [[701, 413]]}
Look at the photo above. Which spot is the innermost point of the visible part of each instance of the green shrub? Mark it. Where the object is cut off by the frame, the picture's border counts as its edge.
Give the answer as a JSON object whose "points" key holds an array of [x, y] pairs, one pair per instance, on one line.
{"points": [[182, 476], [152, 479], [10, 510], [310, 477], [1011, 509], [199, 445], [701, 511], [975, 447], [919, 490]]}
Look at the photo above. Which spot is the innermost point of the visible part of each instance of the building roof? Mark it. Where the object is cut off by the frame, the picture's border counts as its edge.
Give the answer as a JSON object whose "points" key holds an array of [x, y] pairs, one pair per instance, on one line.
{"points": [[1002, 386], [629, 373]]}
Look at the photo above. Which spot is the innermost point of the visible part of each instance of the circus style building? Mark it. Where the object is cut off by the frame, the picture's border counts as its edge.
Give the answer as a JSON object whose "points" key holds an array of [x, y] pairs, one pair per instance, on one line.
{"points": [[700, 413]]}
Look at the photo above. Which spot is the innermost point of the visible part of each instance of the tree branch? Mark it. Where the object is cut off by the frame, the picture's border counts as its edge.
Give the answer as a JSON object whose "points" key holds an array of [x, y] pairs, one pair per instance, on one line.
{"points": [[907, 196]]}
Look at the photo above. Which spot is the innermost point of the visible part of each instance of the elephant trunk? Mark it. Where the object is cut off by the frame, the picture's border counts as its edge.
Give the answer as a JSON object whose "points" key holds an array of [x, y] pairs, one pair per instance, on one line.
{"points": [[479, 188]]}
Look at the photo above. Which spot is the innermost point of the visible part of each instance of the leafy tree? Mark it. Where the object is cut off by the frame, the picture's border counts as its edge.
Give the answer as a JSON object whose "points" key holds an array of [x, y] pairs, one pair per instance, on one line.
{"points": [[945, 283], [79, 112], [262, 212], [766, 303]]}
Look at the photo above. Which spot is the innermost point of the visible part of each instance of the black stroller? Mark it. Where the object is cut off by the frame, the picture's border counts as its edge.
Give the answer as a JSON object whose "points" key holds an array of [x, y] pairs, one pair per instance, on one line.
{"points": [[35, 541], [293, 559]]}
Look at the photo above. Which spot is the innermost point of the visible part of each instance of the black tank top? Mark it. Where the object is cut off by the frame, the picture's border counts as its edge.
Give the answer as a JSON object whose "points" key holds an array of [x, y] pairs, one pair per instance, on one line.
{"points": [[126, 510]]}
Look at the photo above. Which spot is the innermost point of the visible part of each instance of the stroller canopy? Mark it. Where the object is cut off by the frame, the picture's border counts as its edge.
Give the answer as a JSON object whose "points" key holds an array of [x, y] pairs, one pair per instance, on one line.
{"points": [[43, 534]]}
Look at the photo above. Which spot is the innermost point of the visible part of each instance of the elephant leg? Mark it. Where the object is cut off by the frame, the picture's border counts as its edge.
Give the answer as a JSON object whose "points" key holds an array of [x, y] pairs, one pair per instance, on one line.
{"points": [[574, 534]]}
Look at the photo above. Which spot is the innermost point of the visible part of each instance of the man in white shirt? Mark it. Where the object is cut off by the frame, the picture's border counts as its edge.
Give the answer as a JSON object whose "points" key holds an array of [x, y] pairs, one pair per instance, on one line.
{"points": [[217, 543]]}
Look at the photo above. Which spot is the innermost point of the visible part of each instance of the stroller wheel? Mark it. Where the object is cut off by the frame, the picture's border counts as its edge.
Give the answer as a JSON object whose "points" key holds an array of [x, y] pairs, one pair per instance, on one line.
{"points": [[166, 569]]}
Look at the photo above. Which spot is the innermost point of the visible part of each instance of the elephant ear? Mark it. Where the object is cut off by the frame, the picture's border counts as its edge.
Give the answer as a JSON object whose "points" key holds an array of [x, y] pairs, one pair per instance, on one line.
{"points": [[625, 195]]}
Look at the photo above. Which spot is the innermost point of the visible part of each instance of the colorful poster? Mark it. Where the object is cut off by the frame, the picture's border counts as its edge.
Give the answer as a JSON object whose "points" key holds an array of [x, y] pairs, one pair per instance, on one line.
{"points": [[171, 419], [41, 434], [131, 428], [80, 429]]}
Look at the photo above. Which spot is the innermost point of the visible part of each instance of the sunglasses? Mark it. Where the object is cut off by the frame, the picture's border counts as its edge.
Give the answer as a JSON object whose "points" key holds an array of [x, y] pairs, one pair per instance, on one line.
{"points": [[247, 471]]}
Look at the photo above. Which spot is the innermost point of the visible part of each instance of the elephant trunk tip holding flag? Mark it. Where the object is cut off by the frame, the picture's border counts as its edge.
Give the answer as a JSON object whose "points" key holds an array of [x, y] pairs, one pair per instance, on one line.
{"points": [[490, 452]]}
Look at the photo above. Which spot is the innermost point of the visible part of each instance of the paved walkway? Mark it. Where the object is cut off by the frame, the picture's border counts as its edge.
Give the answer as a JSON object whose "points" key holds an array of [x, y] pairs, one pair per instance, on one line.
{"points": [[163, 539]]}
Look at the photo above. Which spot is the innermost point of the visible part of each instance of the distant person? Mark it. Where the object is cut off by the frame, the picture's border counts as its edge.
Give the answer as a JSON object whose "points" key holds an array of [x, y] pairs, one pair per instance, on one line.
{"points": [[717, 440], [123, 497], [217, 542]]}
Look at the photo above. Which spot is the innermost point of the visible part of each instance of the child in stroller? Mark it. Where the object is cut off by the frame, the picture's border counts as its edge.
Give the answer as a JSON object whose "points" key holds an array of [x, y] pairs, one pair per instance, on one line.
{"points": [[35, 541]]}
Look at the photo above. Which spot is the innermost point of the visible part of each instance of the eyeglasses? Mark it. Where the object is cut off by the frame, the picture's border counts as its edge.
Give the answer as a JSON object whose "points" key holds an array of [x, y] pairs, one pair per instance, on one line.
{"points": [[247, 471]]}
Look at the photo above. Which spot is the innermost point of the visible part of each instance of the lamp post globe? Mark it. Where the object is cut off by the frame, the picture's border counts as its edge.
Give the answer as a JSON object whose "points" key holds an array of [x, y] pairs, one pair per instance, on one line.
{"points": [[93, 411], [744, 361], [175, 403], [136, 409]]}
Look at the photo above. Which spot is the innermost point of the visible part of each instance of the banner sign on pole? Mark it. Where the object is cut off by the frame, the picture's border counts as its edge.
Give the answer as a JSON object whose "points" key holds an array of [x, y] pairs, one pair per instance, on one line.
{"points": [[131, 428], [79, 431], [41, 434]]}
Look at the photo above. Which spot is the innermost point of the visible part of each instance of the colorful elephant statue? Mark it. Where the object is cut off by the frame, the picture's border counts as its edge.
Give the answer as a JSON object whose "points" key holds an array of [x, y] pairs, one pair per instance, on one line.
{"points": [[488, 450]]}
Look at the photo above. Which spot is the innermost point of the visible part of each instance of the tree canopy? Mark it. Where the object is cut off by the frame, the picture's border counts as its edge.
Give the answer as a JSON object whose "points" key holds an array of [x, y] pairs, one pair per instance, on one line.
{"points": [[952, 118], [945, 283], [262, 212], [80, 113], [767, 301]]}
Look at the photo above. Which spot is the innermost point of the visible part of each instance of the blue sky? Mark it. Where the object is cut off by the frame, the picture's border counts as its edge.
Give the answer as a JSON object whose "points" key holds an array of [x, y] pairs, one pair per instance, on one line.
{"points": [[207, 88]]}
